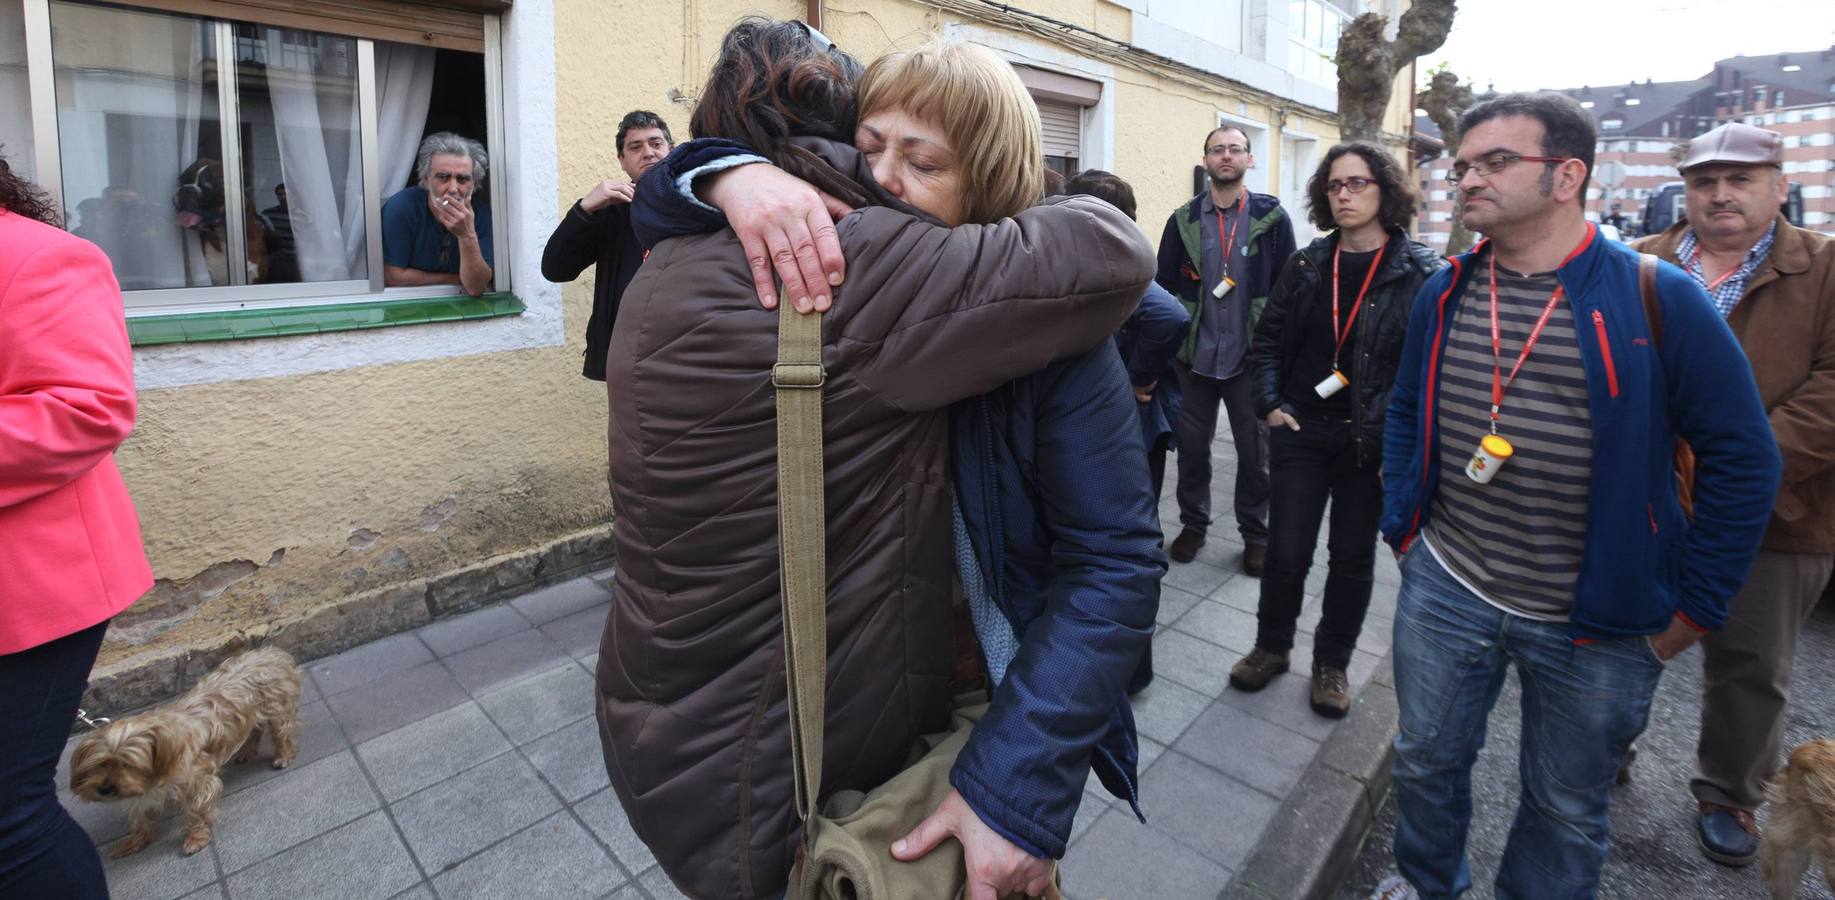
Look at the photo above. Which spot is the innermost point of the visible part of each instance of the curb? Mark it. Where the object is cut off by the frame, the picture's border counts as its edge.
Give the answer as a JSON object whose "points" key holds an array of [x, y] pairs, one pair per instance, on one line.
{"points": [[144, 679], [1316, 834]]}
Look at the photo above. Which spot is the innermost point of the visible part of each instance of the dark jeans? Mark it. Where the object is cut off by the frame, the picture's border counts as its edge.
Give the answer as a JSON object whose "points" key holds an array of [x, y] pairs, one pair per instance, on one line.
{"points": [[43, 852], [1306, 468], [1197, 427]]}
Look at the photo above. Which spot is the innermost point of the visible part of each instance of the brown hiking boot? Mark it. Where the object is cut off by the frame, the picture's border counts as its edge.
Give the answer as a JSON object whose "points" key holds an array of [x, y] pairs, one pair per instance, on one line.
{"points": [[1254, 556], [1185, 547], [1331, 695], [1253, 672]]}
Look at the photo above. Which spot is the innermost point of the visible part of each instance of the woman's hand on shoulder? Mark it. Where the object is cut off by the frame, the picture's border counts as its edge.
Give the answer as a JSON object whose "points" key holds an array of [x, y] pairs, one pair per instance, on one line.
{"points": [[786, 226]]}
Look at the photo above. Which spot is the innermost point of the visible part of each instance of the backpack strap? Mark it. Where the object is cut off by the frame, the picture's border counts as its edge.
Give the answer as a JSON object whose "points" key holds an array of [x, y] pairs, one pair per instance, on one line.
{"points": [[802, 542], [1647, 289], [1653, 315]]}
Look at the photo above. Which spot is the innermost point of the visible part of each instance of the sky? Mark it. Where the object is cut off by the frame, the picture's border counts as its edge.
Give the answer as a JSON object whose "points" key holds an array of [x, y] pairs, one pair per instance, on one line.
{"points": [[1528, 44]]}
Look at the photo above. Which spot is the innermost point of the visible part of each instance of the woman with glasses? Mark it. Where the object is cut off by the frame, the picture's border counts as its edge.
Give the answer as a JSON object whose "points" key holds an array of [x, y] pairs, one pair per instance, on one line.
{"points": [[1323, 359]]}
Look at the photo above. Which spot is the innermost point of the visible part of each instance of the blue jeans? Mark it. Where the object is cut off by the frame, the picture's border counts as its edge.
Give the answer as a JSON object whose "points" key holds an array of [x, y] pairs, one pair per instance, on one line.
{"points": [[43, 852], [1582, 706]]}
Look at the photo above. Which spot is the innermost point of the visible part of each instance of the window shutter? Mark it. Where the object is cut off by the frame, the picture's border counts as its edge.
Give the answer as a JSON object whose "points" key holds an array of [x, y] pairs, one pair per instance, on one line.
{"points": [[447, 24], [1063, 124]]}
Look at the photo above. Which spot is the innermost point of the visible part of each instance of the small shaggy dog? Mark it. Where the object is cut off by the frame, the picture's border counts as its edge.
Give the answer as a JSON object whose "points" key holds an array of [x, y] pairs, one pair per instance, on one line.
{"points": [[173, 752], [1802, 823]]}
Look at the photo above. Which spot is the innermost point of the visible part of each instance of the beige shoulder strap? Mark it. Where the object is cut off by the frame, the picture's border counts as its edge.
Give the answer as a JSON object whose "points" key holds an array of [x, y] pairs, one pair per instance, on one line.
{"points": [[802, 541]]}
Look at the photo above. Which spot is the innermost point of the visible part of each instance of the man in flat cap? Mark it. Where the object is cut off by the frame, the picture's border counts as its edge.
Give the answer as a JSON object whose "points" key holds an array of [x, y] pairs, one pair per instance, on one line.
{"points": [[1775, 285]]}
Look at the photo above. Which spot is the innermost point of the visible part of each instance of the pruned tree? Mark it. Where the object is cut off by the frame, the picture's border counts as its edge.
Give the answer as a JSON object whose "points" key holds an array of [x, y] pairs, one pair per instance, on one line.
{"points": [[1443, 101], [1368, 63]]}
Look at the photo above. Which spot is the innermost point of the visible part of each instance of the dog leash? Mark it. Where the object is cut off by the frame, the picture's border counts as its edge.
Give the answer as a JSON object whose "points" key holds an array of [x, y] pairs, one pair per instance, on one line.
{"points": [[98, 722]]}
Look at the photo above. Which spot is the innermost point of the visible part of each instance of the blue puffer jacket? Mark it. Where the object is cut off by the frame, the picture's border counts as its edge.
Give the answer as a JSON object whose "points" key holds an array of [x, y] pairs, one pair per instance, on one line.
{"points": [[1051, 478], [1148, 342], [1644, 563]]}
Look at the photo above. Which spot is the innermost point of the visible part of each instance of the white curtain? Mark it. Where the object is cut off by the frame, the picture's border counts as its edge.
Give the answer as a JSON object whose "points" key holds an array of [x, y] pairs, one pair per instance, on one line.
{"points": [[404, 86]]}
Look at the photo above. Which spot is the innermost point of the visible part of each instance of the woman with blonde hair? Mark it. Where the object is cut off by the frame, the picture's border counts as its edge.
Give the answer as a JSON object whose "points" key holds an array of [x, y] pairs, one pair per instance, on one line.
{"points": [[692, 706]]}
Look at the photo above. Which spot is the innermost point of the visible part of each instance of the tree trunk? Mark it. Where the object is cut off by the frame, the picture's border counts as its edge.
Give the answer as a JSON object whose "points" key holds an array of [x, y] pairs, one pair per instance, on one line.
{"points": [[1443, 101], [1368, 64]]}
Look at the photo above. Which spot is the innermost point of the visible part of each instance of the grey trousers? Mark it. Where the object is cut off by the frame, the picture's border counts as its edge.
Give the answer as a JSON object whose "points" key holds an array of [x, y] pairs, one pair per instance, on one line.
{"points": [[1197, 427], [1746, 677]]}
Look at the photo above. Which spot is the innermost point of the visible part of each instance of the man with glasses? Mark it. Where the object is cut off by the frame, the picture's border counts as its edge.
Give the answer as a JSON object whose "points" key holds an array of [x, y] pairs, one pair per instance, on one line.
{"points": [[434, 232], [1219, 255], [1775, 285], [1527, 478]]}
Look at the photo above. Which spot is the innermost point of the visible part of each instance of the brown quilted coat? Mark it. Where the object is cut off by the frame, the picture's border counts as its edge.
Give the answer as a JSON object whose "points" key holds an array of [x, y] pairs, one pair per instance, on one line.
{"points": [[691, 701]]}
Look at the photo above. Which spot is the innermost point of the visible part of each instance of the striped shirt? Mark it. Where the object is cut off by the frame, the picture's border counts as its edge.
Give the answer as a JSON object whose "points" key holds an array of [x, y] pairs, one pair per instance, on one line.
{"points": [[1726, 294], [1517, 541]]}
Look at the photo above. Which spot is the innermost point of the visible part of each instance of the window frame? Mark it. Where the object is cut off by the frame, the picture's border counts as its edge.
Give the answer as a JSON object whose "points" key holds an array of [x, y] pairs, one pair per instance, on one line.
{"points": [[362, 295]]}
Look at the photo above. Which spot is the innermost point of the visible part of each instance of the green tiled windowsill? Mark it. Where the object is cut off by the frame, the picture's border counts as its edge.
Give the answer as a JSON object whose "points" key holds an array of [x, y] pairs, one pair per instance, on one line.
{"points": [[244, 324]]}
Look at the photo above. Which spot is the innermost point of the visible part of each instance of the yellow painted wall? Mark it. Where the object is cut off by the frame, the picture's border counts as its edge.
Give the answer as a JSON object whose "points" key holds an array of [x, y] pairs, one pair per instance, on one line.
{"points": [[330, 484]]}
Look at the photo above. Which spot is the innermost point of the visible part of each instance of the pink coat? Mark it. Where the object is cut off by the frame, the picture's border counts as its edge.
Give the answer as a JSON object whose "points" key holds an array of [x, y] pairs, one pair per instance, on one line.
{"points": [[70, 553]]}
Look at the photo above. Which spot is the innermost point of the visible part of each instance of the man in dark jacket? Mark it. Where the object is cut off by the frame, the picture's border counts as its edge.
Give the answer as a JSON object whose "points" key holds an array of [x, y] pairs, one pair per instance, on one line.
{"points": [[1527, 477], [597, 230], [1219, 255], [1775, 284]]}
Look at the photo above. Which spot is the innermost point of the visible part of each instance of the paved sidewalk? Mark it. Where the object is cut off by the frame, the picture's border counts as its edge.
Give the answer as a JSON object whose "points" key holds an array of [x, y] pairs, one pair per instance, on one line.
{"points": [[462, 761]]}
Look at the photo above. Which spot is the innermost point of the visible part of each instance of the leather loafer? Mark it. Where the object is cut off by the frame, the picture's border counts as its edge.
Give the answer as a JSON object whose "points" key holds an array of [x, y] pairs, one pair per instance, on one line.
{"points": [[1728, 836]]}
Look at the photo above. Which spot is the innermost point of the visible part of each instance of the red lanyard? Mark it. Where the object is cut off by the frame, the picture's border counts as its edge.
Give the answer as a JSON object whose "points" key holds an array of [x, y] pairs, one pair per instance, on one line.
{"points": [[1228, 244], [1499, 384], [1713, 286], [1356, 305]]}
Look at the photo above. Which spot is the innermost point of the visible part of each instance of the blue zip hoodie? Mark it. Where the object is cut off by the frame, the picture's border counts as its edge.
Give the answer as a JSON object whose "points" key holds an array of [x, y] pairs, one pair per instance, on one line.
{"points": [[1644, 563]]}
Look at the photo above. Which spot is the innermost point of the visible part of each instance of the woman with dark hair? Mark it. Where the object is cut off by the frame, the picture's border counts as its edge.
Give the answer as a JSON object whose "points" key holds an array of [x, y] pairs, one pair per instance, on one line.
{"points": [[70, 554], [1323, 359], [692, 708]]}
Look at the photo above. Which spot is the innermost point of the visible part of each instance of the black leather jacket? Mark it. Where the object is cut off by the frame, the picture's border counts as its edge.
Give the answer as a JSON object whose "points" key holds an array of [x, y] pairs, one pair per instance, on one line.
{"points": [[1376, 341]]}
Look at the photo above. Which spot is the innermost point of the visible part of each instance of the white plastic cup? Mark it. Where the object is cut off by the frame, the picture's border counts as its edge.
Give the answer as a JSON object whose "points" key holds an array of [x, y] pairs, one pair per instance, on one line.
{"points": [[1492, 453]]}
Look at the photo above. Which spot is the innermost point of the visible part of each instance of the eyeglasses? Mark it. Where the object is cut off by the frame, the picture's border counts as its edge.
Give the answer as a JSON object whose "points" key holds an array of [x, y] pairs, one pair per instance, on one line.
{"points": [[1227, 150], [1495, 163], [1354, 184]]}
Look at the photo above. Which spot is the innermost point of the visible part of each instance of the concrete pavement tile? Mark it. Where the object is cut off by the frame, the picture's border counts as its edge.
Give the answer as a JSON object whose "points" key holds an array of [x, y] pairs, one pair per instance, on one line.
{"points": [[318, 738], [431, 750], [554, 858], [418, 892], [208, 892], [657, 882], [1173, 604], [1089, 810], [506, 661], [310, 800], [1197, 577], [1163, 710], [382, 706], [1222, 549], [308, 689], [579, 633], [1121, 858], [590, 664], [1199, 665], [1284, 702], [1312, 839], [570, 759], [1240, 592], [564, 599], [362, 859], [605, 816], [160, 871], [1204, 809], [1387, 570], [368, 662], [1149, 749], [1263, 756], [537, 706], [628, 892], [462, 815], [1224, 626], [1362, 746], [449, 636]]}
